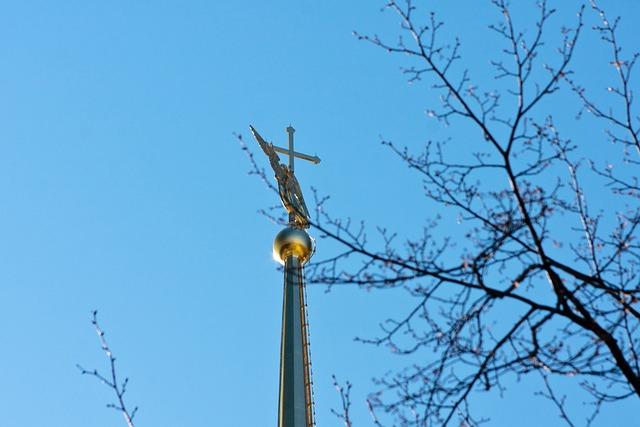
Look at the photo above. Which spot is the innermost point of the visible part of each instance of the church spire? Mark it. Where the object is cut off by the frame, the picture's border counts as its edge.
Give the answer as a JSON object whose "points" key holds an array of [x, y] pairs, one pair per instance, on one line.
{"points": [[293, 247]]}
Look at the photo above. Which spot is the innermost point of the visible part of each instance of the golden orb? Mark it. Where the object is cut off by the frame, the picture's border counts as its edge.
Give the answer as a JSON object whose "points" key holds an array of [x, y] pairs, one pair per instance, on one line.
{"points": [[293, 242]]}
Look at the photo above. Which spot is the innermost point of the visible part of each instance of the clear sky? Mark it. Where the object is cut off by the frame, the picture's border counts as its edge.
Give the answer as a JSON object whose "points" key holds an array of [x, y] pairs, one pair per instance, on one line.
{"points": [[122, 189]]}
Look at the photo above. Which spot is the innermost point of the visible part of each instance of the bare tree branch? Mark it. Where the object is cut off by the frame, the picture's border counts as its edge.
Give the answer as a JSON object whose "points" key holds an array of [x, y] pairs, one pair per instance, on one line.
{"points": [[345, 399], [540, 276], [111, 380]]}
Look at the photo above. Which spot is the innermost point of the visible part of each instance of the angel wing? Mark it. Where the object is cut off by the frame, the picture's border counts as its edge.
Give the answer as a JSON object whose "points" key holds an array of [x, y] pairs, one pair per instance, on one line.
{"points": [[267, 147]]}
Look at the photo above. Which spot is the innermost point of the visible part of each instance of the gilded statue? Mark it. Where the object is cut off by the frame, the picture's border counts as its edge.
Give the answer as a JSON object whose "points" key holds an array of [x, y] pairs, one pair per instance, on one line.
{"points": [[288, 186]]}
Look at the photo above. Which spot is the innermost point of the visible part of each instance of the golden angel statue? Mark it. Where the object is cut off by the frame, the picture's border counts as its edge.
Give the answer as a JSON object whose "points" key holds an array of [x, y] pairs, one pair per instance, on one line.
{"points": [[288, 186]]}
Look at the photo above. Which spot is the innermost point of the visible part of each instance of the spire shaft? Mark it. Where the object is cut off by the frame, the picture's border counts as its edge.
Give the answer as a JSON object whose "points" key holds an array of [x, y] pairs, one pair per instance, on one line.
{"points": [[295, 407]]}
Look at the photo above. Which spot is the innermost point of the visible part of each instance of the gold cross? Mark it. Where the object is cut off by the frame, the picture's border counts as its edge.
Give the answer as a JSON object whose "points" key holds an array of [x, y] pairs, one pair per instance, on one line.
{"points": [[292, 154]]}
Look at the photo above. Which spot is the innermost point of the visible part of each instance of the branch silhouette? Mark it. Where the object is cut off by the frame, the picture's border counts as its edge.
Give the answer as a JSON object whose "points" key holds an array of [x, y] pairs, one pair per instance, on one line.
{"points": [[111, 379], [541, 278]]}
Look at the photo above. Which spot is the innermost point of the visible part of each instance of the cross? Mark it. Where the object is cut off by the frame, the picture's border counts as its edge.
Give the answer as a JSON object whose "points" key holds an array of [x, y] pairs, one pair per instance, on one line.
{"points": [[293, 154]]}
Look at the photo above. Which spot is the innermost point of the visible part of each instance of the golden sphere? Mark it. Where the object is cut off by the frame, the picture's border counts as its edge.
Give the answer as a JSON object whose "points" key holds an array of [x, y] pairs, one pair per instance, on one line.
{"points": [[292, 242]]}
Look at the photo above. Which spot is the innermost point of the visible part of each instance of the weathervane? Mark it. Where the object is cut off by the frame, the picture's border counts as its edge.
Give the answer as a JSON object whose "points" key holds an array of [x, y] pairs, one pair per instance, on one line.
{"points": [[293, 247]]}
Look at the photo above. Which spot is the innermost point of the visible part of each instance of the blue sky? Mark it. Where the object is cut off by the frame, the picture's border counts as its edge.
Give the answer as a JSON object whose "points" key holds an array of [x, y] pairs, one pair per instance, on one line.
{"points": [[122, 189]]}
